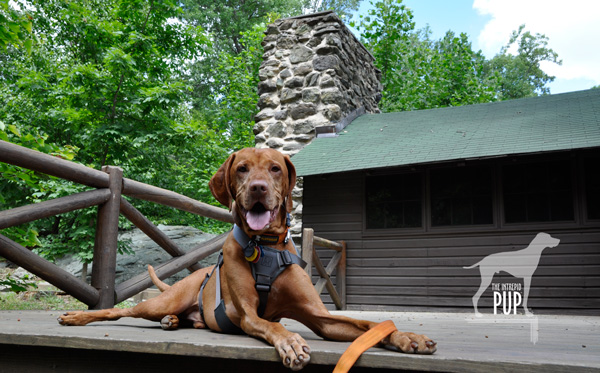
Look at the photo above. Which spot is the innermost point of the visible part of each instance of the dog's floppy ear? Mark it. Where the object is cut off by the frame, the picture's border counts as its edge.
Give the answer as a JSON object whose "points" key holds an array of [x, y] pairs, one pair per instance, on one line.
{"points": [[292, 182], [219, 184]]}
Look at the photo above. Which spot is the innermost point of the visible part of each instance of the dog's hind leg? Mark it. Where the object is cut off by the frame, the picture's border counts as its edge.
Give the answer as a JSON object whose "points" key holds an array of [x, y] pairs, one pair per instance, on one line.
{"points": [[486, 280]]}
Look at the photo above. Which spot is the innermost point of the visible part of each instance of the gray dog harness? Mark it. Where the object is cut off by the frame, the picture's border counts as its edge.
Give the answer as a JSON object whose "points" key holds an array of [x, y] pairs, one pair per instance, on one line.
{"points": [[266, 264]]}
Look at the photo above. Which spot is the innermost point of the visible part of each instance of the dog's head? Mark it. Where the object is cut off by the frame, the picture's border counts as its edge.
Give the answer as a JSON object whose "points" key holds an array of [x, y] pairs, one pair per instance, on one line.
{"points": [[544, 240], [257, 185]]}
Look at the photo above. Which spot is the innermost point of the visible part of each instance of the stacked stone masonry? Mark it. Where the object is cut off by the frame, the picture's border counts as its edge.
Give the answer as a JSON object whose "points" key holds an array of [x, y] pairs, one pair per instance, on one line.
{"points": [[314, 73]]}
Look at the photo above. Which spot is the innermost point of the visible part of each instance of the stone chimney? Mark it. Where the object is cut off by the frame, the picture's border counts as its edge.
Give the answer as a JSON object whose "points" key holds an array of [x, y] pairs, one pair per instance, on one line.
{"points": [[315, 78]]}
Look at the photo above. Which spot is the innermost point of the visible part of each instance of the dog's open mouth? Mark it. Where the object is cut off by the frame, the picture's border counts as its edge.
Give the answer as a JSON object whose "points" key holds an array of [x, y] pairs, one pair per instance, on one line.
{"points": [[258, 217]]}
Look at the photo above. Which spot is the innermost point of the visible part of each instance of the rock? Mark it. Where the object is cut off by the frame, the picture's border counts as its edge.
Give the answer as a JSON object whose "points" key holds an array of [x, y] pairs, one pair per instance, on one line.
{"points": [[305, 127], [277, 129], [280, 114], [322, 63], [301, 111], [303, 69], [293, 146], [332, 112], [263, 114], [332, 96], [311, 94], [268, 100], [289, 95], [312, 79], [266, 86], [146, 251], [300, 53], [286, 73], [327, 81], [294, 82], [272, 29], [275, 143], [285, 41]]}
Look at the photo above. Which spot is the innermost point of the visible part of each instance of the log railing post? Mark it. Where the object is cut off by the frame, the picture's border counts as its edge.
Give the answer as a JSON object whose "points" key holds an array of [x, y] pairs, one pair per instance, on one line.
{"points": [[105, 248], [341, 276], [337, 262], [307, 249]]}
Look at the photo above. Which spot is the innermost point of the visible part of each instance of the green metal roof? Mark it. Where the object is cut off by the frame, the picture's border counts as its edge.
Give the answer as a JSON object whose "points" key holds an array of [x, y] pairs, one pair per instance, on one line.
{"points": [[530, 125]]}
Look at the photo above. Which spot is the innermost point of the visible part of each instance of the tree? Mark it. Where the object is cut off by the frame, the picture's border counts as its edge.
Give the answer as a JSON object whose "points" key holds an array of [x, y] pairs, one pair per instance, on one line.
{"points": [[418, 73], [236, 88], [15, 27], [520, 75], [104, 77], [227, 19], [343, 8]]}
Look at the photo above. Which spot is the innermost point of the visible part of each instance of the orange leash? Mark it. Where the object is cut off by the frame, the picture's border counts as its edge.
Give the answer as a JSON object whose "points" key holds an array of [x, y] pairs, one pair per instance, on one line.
{"points": [[362, 344]]}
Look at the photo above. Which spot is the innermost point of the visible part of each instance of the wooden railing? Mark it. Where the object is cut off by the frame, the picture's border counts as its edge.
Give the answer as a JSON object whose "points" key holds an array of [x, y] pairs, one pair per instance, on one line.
{"points": [[337, 262], [111, 185]]}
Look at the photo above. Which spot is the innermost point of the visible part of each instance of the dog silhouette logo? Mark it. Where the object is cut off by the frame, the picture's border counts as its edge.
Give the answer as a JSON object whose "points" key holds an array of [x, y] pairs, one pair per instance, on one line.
{"points": [[520, 264]]}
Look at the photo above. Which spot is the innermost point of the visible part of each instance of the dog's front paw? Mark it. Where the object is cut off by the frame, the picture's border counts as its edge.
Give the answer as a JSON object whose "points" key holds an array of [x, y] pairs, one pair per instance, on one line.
{"points": [[294, 351], [76, 318], [413, 343]]}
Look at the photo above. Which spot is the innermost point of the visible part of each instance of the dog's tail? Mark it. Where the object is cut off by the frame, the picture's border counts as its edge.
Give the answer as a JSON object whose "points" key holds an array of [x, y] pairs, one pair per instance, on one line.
{"points": [[473, 266], [159, 284]]}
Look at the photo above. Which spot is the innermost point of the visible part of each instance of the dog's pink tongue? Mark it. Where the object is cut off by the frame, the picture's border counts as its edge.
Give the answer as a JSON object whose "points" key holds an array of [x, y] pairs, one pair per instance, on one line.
{"points": [[258, 220]]}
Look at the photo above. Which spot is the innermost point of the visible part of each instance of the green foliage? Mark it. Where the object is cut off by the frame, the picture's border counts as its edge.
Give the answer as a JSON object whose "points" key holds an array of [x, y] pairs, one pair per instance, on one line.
{"points": [[520, 74], [106, 80], [227, 19], [17, 185], [420, 73], [17, 285], [236, 82], [15, 27], [343, 8], [106, 75]]}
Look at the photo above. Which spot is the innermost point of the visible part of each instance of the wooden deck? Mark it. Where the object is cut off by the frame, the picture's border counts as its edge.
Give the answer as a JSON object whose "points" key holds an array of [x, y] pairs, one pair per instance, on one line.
{"points": [[32, 341]]}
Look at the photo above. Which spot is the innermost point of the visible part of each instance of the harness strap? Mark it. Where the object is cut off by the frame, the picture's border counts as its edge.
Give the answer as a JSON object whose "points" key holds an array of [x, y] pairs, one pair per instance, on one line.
{"points": [[269, 266], [223, 321]]}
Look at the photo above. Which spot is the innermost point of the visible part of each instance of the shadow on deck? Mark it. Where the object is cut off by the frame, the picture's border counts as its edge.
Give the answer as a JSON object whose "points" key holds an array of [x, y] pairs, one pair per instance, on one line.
{"points": [[32, 341]]}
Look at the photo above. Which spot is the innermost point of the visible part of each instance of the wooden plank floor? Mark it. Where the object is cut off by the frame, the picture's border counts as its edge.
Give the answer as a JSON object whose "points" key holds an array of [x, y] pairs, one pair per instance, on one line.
{"points": [[564, 343]]}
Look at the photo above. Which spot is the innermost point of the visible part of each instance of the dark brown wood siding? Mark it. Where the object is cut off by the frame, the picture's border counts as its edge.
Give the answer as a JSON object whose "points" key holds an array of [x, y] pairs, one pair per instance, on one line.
{"points": [[422, 269]]}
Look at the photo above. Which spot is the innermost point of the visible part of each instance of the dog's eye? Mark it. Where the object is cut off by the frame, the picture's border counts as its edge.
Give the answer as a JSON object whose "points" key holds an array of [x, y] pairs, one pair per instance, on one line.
{"points": [[242, 169], [275, 169]]}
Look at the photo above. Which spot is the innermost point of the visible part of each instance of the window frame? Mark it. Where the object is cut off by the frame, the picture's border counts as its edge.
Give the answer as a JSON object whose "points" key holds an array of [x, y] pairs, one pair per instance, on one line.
{"points": [[575, 191], [387, 231], [578, 197]]}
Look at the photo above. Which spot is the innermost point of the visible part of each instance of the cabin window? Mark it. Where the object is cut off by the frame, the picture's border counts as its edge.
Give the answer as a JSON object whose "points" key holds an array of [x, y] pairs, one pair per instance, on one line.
{"points": [[461, 196], [538, 192], [592, 188], [394, 201]]}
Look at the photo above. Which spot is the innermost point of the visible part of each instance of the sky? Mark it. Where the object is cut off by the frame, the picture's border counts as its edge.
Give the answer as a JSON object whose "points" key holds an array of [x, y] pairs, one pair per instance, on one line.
{"points": [[572, 27]]}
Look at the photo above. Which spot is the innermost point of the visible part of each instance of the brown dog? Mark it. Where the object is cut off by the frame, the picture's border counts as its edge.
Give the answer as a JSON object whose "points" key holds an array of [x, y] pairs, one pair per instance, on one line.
{"points": [[256, 184]]}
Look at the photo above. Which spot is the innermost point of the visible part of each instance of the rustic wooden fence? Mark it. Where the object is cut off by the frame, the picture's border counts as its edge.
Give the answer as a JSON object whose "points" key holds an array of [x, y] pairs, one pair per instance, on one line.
{"points": [[337, 262], [111, 185]]}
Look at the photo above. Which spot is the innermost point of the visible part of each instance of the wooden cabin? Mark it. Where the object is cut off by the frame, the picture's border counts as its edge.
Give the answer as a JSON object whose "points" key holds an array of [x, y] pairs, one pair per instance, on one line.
{"points": [[419, 195]]}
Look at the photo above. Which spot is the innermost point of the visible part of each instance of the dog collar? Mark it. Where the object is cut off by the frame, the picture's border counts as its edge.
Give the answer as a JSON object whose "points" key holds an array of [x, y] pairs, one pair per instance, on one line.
{"points": [[251, 246]]}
